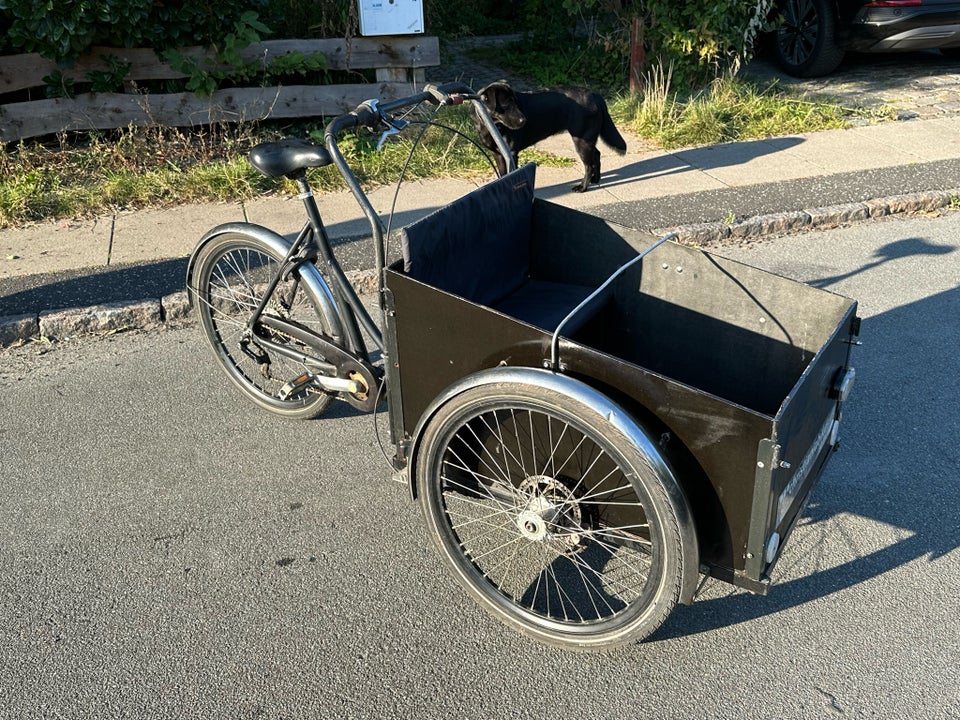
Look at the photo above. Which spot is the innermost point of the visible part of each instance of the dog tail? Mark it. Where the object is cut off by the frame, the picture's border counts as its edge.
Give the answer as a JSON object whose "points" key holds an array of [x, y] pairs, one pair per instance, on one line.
{"points": [[608, 132]]}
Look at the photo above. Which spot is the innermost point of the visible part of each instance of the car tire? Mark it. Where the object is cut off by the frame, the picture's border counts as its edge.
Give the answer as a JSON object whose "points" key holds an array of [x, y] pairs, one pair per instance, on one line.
{"points": [[805, 41]]}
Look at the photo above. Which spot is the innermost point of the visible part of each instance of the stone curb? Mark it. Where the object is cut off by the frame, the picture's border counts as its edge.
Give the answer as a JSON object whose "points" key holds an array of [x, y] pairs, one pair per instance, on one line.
{"points": [[814, 219], [174, 310]]}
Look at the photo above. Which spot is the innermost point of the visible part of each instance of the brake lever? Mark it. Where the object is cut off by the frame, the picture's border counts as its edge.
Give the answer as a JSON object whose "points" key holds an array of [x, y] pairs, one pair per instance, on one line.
{"points": [[395, 126]]}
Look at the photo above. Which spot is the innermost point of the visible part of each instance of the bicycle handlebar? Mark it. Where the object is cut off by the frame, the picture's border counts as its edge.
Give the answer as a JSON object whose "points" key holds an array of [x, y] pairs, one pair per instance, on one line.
{"points": [[370, 113], [366, 113]]}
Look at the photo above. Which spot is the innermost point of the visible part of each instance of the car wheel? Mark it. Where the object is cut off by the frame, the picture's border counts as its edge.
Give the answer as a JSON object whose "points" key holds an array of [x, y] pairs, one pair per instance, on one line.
{"points": [[806, 38]]}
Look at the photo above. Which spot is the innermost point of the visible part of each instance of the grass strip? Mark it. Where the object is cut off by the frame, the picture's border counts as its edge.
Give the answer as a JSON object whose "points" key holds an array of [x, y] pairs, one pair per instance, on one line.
{"points": [[84, 174]]}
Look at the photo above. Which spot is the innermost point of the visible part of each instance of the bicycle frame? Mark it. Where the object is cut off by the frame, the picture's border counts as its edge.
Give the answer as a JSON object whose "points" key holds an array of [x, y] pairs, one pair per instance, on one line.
{"points": [[339, 357]]}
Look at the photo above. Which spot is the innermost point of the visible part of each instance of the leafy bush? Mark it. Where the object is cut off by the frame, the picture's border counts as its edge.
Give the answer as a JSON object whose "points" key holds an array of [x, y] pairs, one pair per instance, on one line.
{"points": [[698, 39], [205, 75], [588, 41], [62, 31], [312, 19], [702, 39]]}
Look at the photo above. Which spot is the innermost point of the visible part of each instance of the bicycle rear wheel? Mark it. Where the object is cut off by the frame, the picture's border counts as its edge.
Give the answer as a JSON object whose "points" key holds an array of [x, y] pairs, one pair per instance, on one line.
{"points": [[231, 273]]}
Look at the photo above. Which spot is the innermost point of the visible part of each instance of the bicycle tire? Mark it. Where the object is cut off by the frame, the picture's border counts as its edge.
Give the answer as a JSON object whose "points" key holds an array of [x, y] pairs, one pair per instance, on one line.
{"points": [[554, 521], [227, 283]]}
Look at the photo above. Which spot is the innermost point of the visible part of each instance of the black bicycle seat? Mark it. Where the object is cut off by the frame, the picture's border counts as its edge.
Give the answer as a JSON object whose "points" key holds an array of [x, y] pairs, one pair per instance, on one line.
{"points": [[288, 157]]}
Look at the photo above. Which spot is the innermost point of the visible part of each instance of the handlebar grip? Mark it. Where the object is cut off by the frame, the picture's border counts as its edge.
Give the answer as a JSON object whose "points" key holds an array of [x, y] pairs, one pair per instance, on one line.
{"points": [[453, 93], [363, 114]]}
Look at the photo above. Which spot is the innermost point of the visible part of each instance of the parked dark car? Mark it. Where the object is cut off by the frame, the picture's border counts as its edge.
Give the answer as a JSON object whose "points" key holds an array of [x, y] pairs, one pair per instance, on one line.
{"points": [[813, 35]]}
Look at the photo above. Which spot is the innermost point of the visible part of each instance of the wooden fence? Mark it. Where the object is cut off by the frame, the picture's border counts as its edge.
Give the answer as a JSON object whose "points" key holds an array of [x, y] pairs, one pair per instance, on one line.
{"points": [[399, 62]]}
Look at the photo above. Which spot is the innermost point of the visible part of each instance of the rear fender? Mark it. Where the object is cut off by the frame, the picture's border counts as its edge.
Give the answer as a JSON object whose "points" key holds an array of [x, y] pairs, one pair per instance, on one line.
{"points": [[309, 275]]}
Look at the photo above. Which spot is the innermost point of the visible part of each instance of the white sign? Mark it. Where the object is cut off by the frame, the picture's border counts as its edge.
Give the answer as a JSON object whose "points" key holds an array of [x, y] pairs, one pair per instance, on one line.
{"points": [[391, 17]]}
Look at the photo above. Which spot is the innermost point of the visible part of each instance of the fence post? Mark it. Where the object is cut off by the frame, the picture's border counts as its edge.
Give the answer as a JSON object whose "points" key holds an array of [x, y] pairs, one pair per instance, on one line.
{"points": [[638, 56], [418, 76]]}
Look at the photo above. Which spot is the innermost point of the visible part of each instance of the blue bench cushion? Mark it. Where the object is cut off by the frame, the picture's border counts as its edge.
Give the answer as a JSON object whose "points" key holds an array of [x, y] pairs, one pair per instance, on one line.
{"points": [[544, 304]]}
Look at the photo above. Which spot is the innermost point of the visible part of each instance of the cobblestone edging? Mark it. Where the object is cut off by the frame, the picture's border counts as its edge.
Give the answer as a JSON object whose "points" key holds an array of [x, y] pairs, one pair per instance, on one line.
{"points": [[174, 310], [717, 232]]}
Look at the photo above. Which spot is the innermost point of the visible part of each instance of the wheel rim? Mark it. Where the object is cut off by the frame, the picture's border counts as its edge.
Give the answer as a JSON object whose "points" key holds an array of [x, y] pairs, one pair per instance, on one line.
{"points": [[799, 32], [230, 290], [540, 514]]}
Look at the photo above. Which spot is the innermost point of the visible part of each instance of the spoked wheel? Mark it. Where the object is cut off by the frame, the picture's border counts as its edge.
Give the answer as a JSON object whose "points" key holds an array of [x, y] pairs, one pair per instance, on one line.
{"points": [[231, 274], [806, 41], [551, 518]]}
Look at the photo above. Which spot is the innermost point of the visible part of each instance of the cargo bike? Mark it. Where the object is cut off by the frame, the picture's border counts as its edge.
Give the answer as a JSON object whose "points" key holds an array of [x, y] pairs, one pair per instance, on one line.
{"points": [[592, 423]]}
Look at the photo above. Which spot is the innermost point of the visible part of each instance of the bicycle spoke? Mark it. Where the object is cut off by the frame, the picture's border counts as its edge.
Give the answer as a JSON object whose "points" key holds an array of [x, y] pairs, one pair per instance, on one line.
{"points": [[232, 278]]}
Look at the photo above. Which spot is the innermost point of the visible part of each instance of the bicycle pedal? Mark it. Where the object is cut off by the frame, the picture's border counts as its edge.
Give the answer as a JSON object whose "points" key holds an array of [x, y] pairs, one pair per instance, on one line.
{"points": [[295, 386], [321, 382]]}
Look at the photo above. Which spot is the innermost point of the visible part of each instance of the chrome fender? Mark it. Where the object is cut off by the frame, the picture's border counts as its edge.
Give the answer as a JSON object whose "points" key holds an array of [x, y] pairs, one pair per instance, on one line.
{"points": [[619, 419], [309, 275]]}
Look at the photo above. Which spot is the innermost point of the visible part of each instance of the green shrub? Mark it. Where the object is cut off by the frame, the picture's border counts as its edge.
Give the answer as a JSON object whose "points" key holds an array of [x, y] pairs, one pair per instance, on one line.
{"points": [[62, 31], [589, 41], [698, 39], [703, 38], [205, 75], [312, 19]]}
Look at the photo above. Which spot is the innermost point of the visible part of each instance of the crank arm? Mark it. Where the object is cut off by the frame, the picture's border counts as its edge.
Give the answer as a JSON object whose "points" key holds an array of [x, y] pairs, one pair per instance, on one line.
{"points": [[339, 363], [323, 344]]}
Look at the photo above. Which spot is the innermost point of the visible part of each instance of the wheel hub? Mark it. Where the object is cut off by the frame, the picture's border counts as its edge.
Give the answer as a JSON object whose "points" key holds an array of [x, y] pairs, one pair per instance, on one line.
{"points": [[551, 514], [535, 520]]}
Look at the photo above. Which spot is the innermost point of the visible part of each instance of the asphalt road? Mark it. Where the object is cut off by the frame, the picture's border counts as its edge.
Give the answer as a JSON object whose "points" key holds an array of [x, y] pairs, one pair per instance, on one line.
{"points": [[168, 552]]}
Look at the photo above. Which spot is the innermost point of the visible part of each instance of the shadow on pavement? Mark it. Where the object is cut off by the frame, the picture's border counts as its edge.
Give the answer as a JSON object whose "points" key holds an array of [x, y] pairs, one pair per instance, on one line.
{"points": [[31, 294], [80, 288], [681, 161], [891, 251]]}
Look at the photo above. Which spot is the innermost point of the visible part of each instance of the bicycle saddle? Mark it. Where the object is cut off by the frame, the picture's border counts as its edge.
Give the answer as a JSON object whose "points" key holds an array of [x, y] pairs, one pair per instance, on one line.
{"points": [[288, 157]]}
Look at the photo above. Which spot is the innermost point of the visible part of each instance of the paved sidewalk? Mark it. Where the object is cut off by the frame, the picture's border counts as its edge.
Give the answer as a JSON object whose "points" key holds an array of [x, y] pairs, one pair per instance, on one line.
{"points": [[715, 193], [910, 85]]}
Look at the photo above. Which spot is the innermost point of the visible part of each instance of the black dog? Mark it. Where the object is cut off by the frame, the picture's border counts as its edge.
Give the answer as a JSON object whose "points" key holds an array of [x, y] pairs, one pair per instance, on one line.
{"points": [[527, 118]]}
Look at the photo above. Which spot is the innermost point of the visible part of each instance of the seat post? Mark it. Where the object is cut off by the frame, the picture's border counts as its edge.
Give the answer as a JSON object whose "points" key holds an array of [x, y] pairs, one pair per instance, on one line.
{"points": [[310, 204]]}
